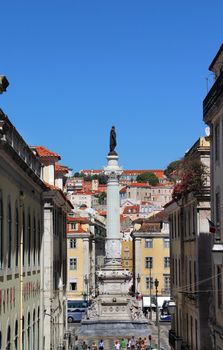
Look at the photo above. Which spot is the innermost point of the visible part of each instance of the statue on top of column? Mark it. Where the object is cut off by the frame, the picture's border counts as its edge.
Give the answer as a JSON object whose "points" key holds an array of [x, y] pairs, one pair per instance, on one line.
{"points": [[113, 142]]}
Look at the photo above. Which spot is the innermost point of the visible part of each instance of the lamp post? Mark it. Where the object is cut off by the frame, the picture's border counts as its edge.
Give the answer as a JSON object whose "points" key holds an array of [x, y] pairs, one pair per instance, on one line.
{"points": [[157, 313], [150, 294]]}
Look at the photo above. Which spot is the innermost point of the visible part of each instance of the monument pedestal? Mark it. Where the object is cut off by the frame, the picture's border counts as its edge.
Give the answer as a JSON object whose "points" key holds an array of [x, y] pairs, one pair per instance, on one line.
{"points": [[114, 312]]}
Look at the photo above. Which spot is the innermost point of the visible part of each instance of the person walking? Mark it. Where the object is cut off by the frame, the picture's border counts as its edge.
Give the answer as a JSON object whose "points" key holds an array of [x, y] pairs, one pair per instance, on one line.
{"points": [[123, 344], [101, 345], [133, 343], [117, 345], [129, 344]]}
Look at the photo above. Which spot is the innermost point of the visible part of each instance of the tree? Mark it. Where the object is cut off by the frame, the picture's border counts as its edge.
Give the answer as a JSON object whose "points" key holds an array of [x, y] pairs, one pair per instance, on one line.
{"points": [[148, 177], [172, 170], [102, 198]]}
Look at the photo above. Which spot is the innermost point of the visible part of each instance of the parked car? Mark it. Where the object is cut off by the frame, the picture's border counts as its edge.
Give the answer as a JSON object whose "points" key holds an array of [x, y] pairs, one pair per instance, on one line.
{"points": [[165, 318], [75, 316]]}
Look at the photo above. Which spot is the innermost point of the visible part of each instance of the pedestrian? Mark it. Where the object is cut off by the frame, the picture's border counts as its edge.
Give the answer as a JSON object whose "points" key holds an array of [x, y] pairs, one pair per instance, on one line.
{"points": [[123, 344], [94, 346], [129, 344], [75, 347], [84, 346], [101, 345], [132, 343], [117, 345]]}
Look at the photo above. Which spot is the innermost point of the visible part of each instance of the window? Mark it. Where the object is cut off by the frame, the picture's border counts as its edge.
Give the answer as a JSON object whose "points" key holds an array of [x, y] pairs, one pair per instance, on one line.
{"points": [[73, 264], [8, 346], [149, 282], [73, 243], [23, 333], [190, 276], [24, 236], [9, 236], [1, 231], [38, 324], [16, 236], [39, 243], [34, 241], [216, 142], [219, 286], [148, 243], [73, 285], [16, 340], [73, 226], [29, 238], [166, 242], [166, 261], [34, 330], [28, 332], [148, 262], [217, 208], [167, 283]]}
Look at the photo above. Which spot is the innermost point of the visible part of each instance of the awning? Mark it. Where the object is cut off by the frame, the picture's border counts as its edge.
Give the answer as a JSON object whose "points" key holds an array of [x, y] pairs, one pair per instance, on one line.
{"points": [[146, 301]]}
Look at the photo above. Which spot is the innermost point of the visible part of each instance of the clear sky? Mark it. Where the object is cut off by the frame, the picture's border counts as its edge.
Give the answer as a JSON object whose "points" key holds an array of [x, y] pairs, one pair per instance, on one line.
{"points": [[78, 67]]}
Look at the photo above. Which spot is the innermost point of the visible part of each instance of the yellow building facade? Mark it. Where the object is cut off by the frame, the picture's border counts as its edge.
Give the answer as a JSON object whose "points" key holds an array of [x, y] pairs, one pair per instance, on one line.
{"points": [[79, 255], [151, 256]]}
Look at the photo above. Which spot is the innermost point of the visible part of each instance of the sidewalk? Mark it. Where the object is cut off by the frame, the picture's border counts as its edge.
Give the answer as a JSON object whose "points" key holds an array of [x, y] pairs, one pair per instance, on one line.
{"points": [[164, 332]]}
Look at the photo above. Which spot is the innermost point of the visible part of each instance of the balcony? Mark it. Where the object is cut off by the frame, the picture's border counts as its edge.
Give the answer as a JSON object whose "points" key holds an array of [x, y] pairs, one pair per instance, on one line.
{"points": [[213, 95]]}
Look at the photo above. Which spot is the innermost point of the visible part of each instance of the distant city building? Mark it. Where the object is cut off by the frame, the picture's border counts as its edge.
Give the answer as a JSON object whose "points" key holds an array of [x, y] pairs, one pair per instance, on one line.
{"points": [[129, 175]]}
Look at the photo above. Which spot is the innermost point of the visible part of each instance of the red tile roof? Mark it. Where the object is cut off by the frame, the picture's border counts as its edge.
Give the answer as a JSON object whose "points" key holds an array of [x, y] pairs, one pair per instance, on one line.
{"points": [[131, 209], [43, 152], [139, 184], [61, 168], [55, 188]]}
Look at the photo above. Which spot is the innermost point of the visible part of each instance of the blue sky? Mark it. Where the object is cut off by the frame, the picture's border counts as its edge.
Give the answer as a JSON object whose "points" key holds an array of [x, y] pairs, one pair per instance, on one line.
{"points": [[78, 67]]}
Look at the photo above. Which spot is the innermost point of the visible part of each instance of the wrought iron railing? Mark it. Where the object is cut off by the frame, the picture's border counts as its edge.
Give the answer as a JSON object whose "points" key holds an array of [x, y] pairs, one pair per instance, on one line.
{"points": [[213, 95]]}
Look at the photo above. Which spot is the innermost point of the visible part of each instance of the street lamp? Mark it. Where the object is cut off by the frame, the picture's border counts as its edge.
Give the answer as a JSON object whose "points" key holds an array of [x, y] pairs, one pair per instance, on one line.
{"points": [[217, 253], [156, 282], [3, 83], [171, 307]]}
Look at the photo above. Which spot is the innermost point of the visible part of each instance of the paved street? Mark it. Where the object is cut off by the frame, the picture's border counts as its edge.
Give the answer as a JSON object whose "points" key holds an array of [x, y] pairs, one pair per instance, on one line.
{"points": [[109, 341]]}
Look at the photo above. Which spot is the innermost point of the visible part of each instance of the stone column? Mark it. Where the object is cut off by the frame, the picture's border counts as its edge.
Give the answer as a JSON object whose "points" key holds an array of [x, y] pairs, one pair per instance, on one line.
{"points": [[113, 239]]}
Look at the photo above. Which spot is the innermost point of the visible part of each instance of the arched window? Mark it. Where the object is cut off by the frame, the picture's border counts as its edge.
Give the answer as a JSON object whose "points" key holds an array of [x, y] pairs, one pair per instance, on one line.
{"points": [[23, 333], [1, 232], [9, 236], [16, 342], [29, 238], [34, 241], [28, 332], [8, 346], [39, 240], [34, 330], [24, 236], [38, 321], [16, 235]]}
